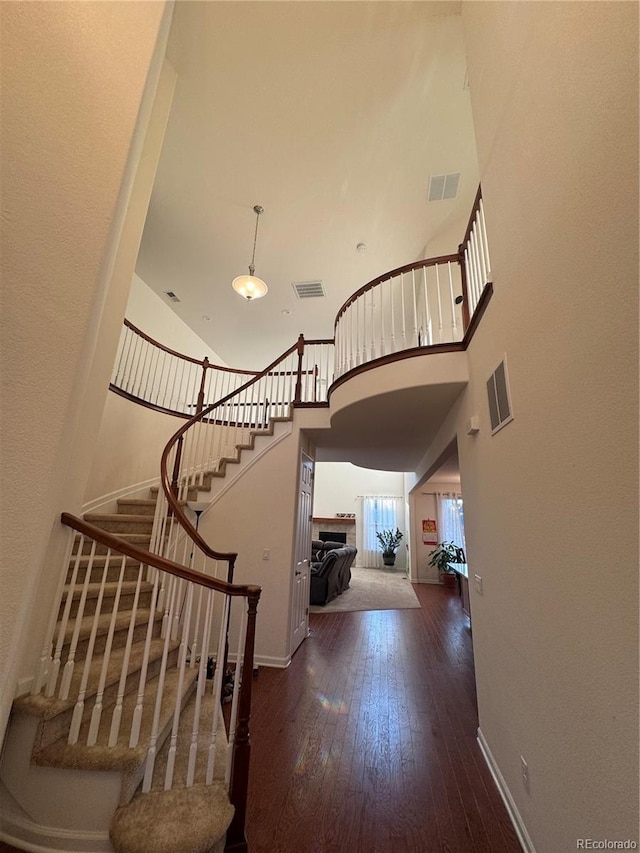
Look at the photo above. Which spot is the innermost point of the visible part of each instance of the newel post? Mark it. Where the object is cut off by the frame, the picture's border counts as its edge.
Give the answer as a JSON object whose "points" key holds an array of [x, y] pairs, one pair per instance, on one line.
{"points": [[175, 476], [465, 292], [298, 393], [200, 401], [239, 783]]}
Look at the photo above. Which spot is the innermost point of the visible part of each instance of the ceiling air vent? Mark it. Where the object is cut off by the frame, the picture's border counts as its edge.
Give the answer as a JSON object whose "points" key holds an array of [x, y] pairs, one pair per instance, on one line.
{"points": [[443, 186], [172, 296], [499, 397], [308, 289]]}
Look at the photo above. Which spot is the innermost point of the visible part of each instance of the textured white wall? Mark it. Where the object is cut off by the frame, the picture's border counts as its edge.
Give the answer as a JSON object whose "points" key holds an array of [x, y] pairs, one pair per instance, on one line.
{"points": [[551, 501], [128, 450], [131, 437], [73, 117], [150, 313], [258, 513]]}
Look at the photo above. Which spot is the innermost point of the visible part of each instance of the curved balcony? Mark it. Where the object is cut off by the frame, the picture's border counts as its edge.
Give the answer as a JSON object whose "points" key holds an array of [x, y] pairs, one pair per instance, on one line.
{"points": [[429, 306]]}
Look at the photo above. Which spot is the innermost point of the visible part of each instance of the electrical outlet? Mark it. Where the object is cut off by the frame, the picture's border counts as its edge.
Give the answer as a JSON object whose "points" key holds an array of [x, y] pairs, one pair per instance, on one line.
{"points": [[266, 554], [524, 768], [478, 581]]}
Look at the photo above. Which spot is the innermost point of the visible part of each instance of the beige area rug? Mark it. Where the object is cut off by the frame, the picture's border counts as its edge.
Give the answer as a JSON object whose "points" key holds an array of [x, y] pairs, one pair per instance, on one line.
{"points": [[372, 589]]}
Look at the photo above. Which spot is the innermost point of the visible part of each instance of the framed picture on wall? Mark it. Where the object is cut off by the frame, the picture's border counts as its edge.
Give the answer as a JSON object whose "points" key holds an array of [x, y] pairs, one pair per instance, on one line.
{"points": [[429, 531]]}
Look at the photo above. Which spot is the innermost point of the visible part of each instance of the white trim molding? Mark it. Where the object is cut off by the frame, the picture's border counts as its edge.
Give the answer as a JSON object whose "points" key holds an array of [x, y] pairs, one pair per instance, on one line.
{"points": [[512, 810], [111, 499], [20, 830]]}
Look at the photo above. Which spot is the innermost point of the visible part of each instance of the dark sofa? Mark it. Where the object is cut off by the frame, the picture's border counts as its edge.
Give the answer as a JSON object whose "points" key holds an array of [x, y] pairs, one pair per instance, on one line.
{"points": [[330, 570]]}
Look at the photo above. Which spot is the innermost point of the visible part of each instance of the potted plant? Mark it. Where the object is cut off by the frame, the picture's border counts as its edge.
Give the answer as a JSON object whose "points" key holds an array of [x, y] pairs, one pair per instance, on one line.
{"points": [[441, 558], [389, 542]]}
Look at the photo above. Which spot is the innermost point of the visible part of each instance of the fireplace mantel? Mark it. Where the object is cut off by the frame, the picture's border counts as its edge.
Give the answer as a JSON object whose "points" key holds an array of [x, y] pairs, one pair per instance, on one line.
{"points": [[334, 520]]}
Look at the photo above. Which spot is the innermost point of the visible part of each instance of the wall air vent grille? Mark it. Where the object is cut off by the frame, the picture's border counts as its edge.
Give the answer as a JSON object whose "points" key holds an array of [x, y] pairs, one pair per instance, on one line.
{"points": [[308, 289], [443, 186], [172, 296], [500, 409]]}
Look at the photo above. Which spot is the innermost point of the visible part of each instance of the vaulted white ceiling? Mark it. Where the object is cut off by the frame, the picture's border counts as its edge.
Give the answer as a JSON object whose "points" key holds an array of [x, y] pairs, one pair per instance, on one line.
{"points": [[333, 116]]}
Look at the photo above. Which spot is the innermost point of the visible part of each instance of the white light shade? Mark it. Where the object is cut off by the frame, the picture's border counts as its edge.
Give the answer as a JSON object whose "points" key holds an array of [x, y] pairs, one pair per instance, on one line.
{"points": [[249, 286]]}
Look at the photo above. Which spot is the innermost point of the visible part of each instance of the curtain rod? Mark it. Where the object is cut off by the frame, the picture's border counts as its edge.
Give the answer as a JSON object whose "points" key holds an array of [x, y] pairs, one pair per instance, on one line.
{"points": [[380, 496]]}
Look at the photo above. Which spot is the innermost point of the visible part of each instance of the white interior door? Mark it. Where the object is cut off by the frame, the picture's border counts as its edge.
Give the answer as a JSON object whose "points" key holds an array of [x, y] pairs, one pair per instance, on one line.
{"points": [[302, 555]]}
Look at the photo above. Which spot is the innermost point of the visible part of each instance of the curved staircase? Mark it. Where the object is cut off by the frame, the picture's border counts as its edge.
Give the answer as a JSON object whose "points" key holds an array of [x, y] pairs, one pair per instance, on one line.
{"points": [[111, 770]]}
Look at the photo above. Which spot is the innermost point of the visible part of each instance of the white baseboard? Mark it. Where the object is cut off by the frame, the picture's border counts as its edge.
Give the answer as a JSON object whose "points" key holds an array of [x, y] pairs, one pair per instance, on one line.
{"points": [[129, 491], [275, 662], [505, 793], [24, 686]]}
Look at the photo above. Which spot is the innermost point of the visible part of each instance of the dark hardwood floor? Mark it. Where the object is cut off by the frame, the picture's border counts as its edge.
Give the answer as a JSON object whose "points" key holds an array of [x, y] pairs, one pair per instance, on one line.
{"points": [[367, 742]]}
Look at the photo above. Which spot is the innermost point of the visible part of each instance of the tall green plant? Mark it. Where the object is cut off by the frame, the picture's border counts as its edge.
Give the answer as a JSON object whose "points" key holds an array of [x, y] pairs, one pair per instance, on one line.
{"points": [[442, 555], [389, 541]]}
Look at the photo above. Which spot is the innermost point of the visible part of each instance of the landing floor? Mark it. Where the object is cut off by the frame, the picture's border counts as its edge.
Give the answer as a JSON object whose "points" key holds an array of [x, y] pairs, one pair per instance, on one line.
{"points": [[367, 742]]}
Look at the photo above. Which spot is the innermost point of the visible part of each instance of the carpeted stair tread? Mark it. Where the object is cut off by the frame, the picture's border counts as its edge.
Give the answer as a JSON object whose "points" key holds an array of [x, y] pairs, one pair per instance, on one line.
{"points": [[186, 820], [48, 707], [121, 756], [207, 705], [122, 621], [95, 517], [119, 523], [141, 540], [110, 589]]}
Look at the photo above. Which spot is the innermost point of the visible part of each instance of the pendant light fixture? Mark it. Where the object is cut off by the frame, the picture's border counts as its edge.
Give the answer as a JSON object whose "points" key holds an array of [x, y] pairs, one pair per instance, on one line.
{"points": [[249, 286]]}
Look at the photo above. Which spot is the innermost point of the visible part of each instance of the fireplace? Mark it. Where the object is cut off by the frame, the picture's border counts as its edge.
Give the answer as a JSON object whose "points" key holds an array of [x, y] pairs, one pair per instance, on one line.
{"points": [[337, 529], [332, 536]]}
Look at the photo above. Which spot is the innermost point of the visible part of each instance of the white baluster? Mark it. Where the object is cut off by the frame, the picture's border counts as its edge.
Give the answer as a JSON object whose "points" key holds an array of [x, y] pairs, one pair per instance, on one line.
{"points": [[116, 717], [485, 240], [182, 659], [202, 672], [49, 665], [217, 689], [404, 319], [476, 266], [155, 726], [452, 304], [76, 719], [416, 340], [96, 714], [142, 681], [67, 672], [393, 320], [427, 310], [439, 304], [481, 254]]}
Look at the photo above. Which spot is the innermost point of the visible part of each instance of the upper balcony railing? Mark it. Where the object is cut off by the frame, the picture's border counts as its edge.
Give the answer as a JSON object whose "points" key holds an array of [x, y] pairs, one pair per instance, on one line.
{"points": [[432, 302], [418, 305], [149, 372]]}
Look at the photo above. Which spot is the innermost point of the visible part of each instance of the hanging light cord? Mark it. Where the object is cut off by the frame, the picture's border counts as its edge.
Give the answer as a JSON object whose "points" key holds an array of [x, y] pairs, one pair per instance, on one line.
{"points": [[258, 210]]}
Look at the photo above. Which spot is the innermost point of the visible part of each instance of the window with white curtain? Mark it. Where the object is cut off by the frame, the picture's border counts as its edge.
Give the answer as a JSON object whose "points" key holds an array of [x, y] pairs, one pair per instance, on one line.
{"points": [[378, 513], [451, 519]]}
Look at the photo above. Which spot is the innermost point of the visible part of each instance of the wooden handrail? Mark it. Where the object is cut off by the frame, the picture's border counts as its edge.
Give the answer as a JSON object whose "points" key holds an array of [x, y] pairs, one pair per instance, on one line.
{"points": [[249, 591], [427, 262], [472, 216], [202, 362], [174, 506]]}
